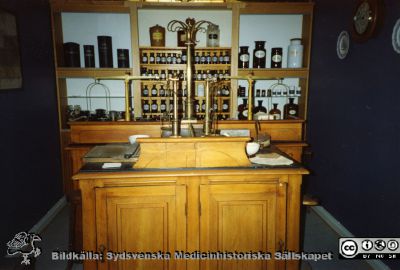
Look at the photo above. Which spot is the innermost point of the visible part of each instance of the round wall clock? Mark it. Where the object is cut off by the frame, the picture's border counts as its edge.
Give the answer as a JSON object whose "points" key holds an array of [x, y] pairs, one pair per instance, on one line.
{"points": [[396, 37], [367, 19], [343, 44]]}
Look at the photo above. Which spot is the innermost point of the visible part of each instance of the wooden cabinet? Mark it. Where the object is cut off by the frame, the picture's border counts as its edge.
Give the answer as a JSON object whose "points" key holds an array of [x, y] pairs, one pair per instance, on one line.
{"points": [[141, 219], [242, 217], [228, 210]]}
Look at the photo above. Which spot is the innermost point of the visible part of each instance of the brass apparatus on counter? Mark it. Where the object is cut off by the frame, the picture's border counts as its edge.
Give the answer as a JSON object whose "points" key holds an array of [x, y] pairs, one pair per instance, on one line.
{"points": [[190, 27]]}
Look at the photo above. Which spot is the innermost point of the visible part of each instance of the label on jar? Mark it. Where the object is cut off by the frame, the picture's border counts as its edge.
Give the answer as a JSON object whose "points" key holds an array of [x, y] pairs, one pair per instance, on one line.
{"points": [[154, 92], [212, 36], [292, 112], [145, 92], [154, 107], [259, 54], [146, 107], [225, 106], [151, 59], [244, 58], [144, 59], [277, 58], [163, 107], [245, 113], [226, 58], [157, 36], [277, 116]]}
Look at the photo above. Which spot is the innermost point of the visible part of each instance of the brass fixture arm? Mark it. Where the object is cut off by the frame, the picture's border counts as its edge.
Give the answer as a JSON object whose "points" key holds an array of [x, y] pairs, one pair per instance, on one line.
{"points": [[190, 27]]}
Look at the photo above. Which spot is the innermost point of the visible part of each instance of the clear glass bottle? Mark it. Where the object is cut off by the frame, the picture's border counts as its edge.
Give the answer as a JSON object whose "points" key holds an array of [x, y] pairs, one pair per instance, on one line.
{"points": [[291, 110], [275, 112], [244, 57], [259, 55], [295, 53]]}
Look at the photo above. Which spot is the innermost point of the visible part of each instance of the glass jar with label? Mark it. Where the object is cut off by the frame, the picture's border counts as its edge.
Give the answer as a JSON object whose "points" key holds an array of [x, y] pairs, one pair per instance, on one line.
{"points": [[146, 106], [161, 91], [276, 57], [145, 91], [163, 106], [260, 108], [154, 106], [259, 55], [154, 91], [225, 105], [291, 110], [243, 110], [295, 53], [275, 112], [244, 57], [212, 35]]}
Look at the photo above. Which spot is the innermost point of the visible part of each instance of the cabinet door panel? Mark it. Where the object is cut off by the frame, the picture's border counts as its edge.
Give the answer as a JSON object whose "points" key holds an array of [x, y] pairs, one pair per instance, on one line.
{"points": [[141, 219], [242, 218]]}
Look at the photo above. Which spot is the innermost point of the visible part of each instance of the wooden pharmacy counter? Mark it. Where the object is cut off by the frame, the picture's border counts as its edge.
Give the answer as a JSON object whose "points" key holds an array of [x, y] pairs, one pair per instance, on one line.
{"points": [[232, 209]]}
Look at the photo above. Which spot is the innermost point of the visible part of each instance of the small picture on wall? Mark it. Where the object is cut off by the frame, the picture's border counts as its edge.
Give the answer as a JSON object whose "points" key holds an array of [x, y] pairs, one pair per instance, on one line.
{"points": [[10, 62]]}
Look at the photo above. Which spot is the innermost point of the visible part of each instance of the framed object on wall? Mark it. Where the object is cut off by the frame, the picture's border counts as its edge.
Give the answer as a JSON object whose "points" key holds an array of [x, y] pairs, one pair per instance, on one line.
{"points": [[10, 62]]}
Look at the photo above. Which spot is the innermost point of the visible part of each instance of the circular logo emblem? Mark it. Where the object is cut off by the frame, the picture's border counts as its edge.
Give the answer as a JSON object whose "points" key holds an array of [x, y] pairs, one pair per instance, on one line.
{"points": [[367, 245], [380, 245], [348, 248], [392, 245]]}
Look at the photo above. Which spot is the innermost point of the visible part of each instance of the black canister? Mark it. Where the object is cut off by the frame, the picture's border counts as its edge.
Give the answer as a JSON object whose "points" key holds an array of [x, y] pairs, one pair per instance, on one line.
{"points": [[72, 57], [123, 58], [88, 52], [105, 51], [276, 57], [259, 55]]}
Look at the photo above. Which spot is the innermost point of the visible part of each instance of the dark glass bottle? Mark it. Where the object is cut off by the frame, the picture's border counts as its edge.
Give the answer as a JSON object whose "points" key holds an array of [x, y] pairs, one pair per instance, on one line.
{"points": [[203, 58], [169, 58], [197, 58], [275, 112], [163, 58], [154, 106], [259, 55], [152, 59], [244, 57], [225, 91], [208, 58], [158, 58], [163, 106], [276, 57], [184, 57], [161, 92], [123, 58], [227, 58], [215, 58], [221, 57], [145, 91], [72, 56], [243, 110], [105, 51], [146, 106], [154, 91], [260, 107], [291, 110], [145, 59], [225, 105], [174, 58]]}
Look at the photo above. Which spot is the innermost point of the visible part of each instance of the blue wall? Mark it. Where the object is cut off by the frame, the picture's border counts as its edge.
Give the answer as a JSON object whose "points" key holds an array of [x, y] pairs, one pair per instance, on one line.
{"points": [[29, 141], [354, 123]]}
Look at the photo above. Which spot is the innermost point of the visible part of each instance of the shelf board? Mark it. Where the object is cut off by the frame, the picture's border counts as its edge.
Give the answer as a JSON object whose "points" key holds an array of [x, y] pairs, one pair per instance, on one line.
{"points": [[65, 72], [183, 66], [149, 48], [275, 73]]}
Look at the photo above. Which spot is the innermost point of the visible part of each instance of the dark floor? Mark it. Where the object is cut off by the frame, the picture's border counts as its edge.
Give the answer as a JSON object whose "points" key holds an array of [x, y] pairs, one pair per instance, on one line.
{"points": [[318, 237]]}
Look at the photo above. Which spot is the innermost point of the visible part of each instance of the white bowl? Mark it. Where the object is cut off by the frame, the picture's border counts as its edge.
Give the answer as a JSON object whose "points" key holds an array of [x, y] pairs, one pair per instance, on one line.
{"points": [[132, 139], [252, 148]]}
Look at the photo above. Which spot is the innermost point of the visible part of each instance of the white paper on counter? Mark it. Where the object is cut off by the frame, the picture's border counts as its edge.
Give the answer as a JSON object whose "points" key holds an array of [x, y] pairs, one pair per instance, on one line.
{"points": [[271, 159], [111, 165]]}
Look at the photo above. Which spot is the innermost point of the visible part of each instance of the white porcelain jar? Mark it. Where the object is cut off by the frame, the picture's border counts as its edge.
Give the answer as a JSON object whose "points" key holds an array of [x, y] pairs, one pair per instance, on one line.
{"points": [[213, 35], [295, 54]]}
